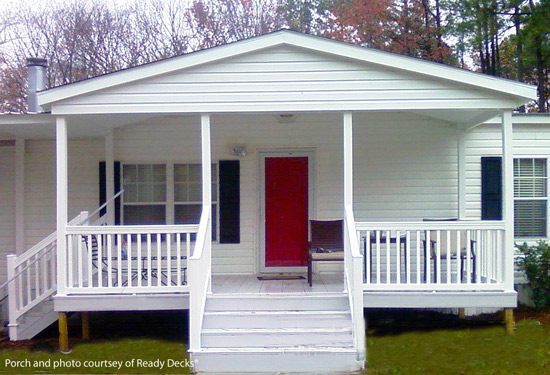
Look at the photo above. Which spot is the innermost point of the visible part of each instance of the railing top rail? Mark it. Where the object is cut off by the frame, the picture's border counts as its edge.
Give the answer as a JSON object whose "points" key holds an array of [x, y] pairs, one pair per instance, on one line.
{"points": [[102, 207], [431, 225], [48, 241], [352, 232], [133, 229], [201, 236]]}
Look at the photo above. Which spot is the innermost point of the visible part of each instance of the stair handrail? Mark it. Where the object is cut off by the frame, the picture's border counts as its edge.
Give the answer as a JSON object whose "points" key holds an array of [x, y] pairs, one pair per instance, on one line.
{"points": [[353, 264], [48, 241], [200, 273], [102, 207]]}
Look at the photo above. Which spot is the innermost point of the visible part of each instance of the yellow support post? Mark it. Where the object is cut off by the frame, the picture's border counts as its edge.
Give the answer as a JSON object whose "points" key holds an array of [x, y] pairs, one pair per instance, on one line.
{"points": [[85, 325], [63, 333], [509, 320], [462, 313]]}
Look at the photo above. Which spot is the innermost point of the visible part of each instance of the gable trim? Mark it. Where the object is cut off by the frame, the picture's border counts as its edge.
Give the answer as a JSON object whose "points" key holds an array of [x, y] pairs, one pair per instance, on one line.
{"points": [[522, 92]]}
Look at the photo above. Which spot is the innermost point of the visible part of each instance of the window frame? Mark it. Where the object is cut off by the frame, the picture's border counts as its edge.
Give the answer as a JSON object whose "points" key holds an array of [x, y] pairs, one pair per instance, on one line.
{"points": [[171, 203], [544, 199]]}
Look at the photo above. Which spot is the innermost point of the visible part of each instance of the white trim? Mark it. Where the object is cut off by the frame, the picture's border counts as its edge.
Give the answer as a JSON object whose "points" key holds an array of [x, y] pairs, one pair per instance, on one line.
{"points": [[521, 92], [508, 197], [19, 195], [286, 152], [461, 161], [62, 201], [110, 176]]}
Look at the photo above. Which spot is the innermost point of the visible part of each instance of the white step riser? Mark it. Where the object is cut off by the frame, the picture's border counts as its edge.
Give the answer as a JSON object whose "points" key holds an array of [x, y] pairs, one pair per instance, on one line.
{"points": [[262, 340], [277, 321], [32, 326], [242, 363], [267, 304]]}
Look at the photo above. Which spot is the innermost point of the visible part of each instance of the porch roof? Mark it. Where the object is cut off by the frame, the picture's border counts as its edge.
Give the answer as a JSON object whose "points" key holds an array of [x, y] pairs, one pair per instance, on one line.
{"points": [[497, 92]]}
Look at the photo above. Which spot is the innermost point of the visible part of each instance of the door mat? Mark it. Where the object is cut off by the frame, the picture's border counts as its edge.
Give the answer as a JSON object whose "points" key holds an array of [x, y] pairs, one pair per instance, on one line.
{"points": [[280, 277]]}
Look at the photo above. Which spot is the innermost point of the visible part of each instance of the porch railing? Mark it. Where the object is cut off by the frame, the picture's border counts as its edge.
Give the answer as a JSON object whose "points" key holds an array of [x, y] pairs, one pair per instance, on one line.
{"points": [[200, 272], [128, 259], [32, 277], [353, 278], [444, 255]]}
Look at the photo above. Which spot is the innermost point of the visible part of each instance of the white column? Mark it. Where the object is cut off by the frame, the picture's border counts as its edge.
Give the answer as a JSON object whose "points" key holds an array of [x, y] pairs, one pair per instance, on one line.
{"points": [[19, 195], [508, 198], [348, 159], [206, 161], [62, 201], [110, 176], [461, 161]]}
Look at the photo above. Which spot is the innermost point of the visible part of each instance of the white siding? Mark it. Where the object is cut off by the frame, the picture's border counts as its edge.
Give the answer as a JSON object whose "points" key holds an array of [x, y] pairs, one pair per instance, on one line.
{"points": [[405, 165], [282, 79], [486, 140], [84, 156], [7, 206]]}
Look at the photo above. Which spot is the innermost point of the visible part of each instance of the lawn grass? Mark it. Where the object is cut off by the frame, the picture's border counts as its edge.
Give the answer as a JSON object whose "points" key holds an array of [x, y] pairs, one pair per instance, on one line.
{"points": [[469, 349], [397, 343]]}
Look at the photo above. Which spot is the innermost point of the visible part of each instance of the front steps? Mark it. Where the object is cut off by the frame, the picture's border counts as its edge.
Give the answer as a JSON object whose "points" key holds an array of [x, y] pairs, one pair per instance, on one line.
{"points": [[33, 321], [270, 333]]}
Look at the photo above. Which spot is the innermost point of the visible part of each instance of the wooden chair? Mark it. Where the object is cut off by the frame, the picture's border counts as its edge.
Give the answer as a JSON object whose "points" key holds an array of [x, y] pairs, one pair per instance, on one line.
{"points": [[327, 243], [453, 245]]}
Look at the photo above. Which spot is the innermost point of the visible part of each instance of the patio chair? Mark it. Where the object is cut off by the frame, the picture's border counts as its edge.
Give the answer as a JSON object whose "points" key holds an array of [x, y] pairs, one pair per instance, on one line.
{"points": [[452, 246], [327, 243]]}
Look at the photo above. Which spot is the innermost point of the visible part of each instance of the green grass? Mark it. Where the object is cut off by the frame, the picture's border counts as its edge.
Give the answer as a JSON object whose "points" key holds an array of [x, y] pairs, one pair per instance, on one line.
{"points": [[126, 349], [410, 343], [464, 351]]}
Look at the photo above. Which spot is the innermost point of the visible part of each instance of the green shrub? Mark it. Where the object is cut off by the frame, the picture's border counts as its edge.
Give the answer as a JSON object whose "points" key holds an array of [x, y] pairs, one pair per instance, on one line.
{"points": [[536, 265]]}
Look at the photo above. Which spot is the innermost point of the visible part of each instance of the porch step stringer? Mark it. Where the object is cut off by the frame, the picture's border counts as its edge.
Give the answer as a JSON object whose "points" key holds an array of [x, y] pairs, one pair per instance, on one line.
{"points": [[270, 333]]}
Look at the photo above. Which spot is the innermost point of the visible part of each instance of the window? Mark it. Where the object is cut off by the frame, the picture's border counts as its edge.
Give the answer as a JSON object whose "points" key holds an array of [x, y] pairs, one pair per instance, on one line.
{"points": [[530, 197], [188, 194], [146, 199], [145, 194]]}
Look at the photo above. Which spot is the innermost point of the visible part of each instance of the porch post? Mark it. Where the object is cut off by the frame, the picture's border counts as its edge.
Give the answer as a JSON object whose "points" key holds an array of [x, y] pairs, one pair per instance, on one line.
{"points": [[348, 159], [207, 181], [110, 176], [62, 201], [19, 195], [508, 198], [461, 161], [206, 162]]}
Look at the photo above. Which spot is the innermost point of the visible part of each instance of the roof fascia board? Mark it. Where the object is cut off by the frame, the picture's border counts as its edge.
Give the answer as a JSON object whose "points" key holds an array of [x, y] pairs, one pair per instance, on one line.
{"points": [[414, 65], [316, 44], [19, 119], [523, 119]]}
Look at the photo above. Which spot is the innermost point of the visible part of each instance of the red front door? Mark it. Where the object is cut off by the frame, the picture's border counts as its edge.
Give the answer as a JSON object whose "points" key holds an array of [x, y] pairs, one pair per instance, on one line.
{"points": [[286, 211]]}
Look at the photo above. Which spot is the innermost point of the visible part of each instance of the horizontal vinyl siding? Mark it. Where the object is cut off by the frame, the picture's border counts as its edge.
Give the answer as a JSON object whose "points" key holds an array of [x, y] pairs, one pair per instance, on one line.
{"points": [[84, 156], [278, 79], [486, 140], [7, 207], [393, 180]]}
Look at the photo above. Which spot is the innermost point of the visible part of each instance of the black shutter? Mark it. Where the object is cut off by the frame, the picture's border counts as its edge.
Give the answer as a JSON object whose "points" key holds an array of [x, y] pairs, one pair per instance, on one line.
{"points": [[491, 188], [103, 189], [230, 199]]}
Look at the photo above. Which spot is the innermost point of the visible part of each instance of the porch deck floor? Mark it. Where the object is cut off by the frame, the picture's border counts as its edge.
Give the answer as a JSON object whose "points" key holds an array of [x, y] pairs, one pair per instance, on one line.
{"points": [[249, 284]]}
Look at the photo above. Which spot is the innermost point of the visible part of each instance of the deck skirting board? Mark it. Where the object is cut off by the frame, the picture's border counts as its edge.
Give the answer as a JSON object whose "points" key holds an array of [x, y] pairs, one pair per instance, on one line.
{"points": [[439, 299], [113, 302]]}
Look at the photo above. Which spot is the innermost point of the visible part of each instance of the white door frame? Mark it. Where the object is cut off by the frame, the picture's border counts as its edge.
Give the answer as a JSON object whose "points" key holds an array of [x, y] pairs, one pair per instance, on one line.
{"points": [[298, 152]]}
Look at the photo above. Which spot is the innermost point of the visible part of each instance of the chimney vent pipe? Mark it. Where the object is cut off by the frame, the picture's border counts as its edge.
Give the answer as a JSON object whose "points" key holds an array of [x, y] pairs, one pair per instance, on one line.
{"points": [[36, 75]]}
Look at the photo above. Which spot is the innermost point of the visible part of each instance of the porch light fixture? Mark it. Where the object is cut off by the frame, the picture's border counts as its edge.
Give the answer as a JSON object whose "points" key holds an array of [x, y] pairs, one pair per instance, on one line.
{"points": [[286, 118], [240, 151]]}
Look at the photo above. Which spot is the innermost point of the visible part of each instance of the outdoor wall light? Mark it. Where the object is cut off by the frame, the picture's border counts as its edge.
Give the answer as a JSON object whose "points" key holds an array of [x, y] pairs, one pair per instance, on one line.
{"points": [[286, 118], [240, 151]]}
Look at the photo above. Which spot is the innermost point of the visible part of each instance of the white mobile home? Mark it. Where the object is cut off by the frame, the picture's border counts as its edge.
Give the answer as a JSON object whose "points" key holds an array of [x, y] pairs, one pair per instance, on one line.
{"points": [[211, 167]]}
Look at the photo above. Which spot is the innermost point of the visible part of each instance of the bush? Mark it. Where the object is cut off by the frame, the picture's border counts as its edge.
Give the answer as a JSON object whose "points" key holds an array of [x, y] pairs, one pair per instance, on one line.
{"points": [[536, 265]]}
